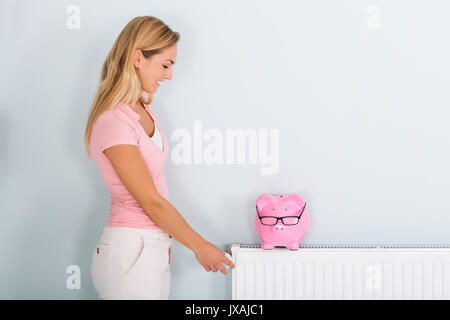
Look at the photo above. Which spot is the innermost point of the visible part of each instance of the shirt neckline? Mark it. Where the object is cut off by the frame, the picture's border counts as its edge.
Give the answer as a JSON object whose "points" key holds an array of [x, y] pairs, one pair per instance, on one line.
{"points": [[137, 117]]}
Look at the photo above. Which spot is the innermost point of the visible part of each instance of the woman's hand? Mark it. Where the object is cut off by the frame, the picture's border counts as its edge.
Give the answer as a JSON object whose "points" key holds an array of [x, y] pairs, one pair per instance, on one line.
{"points": [[211, 258]]}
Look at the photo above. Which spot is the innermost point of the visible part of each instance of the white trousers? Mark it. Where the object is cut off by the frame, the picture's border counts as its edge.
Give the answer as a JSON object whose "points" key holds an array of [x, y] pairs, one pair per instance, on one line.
{"points": [[131, 263]]}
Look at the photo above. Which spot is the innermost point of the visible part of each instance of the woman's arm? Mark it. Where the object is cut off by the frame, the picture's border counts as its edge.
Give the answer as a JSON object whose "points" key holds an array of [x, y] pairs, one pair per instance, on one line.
{"points": [[170, 220], [133, 172]]}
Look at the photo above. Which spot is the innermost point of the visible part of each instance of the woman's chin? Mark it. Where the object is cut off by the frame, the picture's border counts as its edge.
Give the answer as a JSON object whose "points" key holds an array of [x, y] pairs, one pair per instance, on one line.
{"points": [[152, 90]]}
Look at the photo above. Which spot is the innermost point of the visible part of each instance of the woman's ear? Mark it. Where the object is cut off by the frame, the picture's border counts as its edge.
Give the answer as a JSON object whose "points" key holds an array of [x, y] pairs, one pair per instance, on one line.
{"points": [[137, 58]]}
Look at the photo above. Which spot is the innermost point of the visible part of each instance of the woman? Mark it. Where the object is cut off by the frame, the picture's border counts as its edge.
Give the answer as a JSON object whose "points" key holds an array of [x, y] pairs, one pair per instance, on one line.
{"points": [[132, 258]]}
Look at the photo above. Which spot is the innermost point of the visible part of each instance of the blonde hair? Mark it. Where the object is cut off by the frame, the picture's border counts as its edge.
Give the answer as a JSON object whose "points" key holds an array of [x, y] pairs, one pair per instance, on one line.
{"points": [[119, 81]]}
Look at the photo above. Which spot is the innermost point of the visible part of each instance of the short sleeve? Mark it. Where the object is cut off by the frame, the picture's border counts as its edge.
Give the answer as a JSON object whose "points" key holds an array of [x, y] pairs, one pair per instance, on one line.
{"points": [[110, 130]]}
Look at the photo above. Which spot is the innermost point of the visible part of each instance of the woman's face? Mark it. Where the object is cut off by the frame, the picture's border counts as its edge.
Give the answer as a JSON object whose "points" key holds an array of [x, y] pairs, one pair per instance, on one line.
{"points": [[156, 68]]}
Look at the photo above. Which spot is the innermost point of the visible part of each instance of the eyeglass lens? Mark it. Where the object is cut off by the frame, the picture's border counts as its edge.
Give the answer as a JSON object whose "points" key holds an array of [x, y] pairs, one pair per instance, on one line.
{"points": [[273, 220]]}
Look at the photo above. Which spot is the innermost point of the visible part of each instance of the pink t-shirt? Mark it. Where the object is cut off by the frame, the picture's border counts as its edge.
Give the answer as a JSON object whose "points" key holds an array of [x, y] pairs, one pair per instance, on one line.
{"points": [[120, 125]]}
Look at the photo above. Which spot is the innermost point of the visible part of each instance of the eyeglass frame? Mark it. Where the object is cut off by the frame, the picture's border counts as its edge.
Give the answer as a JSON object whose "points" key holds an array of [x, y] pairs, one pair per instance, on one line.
{"points": [[280, 218]]}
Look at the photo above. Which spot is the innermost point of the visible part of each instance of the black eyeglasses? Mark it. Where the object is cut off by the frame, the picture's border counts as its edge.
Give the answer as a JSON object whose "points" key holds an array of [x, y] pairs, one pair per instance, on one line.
{"points": [[288, 220]]}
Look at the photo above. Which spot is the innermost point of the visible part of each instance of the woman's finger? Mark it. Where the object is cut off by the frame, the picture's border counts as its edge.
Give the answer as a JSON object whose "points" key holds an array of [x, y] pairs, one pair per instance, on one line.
{"points": [[229, 263], [222, 269]]}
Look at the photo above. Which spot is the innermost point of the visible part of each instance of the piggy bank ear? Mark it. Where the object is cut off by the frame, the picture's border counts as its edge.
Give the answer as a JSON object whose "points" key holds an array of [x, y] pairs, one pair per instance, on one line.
{"points": [[297, 199], [263, 200]]}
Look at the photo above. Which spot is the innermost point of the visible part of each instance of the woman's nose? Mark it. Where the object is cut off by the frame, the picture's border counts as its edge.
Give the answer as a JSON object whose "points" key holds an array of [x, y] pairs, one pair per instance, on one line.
{"points": [[169, 74]]}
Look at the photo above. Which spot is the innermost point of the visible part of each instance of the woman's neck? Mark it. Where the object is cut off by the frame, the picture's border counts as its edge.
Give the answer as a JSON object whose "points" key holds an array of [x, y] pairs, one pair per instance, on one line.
{"points": [[138, 107]]}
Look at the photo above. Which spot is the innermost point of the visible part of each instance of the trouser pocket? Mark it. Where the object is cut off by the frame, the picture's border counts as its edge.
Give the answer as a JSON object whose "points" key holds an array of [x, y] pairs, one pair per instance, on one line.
{"points": [[130, 249], [102, 264], [102, 269]]}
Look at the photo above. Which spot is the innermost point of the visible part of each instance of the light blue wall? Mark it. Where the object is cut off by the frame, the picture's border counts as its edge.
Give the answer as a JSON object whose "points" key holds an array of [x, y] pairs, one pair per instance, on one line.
{"points": [[358, 91]]}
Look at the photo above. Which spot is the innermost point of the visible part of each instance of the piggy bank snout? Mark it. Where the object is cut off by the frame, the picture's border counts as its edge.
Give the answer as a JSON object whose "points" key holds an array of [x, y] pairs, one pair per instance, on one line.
{"points": [[278, 228]]}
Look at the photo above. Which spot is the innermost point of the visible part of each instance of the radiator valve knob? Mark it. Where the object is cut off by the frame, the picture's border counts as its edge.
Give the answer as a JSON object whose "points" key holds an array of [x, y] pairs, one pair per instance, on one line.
{"points": [[229, 257]]}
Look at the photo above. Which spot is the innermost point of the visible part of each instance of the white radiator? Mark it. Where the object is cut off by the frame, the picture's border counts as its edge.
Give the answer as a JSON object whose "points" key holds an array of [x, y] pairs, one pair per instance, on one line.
{"points": [[341, 272]]}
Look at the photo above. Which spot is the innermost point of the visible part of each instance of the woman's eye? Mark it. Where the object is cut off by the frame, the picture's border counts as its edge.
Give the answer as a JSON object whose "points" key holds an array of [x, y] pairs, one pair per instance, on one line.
{"points": [[166, 67]]}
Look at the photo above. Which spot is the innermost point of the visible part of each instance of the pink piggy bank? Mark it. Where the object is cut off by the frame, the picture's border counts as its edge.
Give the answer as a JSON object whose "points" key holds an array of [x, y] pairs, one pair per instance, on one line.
{"points": [[281, 220]]}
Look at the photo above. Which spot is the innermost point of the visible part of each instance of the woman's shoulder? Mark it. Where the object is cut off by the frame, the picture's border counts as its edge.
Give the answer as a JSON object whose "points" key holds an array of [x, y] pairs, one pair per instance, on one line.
{"points": [[113, 126], [118, 117], [119, 111]]}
